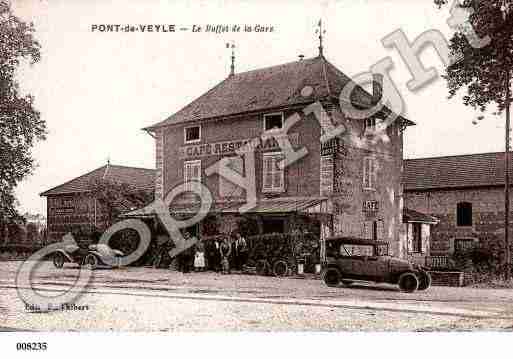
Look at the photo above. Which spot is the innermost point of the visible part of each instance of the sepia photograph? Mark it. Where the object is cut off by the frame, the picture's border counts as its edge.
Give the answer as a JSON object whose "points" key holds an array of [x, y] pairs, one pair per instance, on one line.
{"points": [[321, 169]]}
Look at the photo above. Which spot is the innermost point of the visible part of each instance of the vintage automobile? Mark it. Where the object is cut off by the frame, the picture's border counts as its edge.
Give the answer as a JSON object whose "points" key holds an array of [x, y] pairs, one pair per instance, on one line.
{"points": [[349, 259], [95, 256]]}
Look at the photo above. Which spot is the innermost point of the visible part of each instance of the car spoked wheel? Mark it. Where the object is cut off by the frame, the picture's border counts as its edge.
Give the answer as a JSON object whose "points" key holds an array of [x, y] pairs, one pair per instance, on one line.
{"points": [[424, 281], [91, 261], [262, 267], [332, 277], [58, 260], [408, 282], [280, 268]]}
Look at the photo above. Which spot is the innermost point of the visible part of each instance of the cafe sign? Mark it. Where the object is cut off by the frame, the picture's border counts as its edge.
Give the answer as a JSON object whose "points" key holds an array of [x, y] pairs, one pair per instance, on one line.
{"points": [[370, 206], [229, 147]]}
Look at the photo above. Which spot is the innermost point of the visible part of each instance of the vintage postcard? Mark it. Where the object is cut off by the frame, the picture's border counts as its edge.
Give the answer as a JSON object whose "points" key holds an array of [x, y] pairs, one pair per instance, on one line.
{"points": [[255, 166]]}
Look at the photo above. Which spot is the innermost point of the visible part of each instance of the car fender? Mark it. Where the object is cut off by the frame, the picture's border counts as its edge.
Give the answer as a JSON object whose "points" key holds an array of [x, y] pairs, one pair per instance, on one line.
{"points": [[65, 254]]}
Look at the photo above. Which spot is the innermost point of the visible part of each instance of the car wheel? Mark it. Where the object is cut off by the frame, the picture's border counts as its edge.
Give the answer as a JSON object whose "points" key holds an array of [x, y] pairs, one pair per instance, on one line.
{"points": [[262, 267], [332, 277], [280, 268], [424, 281], [408, 282], [91, 261], [58, 260], [347, 283]]}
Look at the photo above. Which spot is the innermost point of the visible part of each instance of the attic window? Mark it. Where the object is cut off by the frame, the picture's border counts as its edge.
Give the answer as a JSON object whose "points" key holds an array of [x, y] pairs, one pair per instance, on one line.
{"points": [[273, 121], [192, 134]]}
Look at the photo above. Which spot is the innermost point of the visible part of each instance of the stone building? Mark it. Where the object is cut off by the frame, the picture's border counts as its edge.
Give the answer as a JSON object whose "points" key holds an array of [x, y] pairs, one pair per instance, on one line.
{"points": [[465, 193], [72, 208], [349, 185]]}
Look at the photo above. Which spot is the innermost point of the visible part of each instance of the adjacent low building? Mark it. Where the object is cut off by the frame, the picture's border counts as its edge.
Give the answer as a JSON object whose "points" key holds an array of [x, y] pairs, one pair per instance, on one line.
{"points": [[71, 207], [465, 193]]}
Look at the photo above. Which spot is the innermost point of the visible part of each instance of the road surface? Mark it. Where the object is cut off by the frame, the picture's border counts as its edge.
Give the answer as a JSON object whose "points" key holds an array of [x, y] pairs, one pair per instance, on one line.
{"points": [[146, 299]]}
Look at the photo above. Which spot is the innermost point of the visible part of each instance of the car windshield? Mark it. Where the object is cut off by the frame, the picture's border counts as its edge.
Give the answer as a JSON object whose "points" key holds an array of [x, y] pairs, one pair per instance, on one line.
{"points": [[356, 250]]}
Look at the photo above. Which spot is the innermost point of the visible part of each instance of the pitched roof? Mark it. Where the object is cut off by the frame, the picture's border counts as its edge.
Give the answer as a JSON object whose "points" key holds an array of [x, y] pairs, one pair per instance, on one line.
{"points": [[267, 88], [476, 170], [139, 178]]}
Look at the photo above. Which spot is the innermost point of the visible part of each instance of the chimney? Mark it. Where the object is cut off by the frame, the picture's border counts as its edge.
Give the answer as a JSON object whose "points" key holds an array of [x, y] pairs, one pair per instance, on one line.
{"points": [[377, 87]]}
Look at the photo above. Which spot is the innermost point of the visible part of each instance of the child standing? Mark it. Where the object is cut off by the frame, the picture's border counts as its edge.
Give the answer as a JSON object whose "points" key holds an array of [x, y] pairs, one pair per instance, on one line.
{"points": [[199, 257]]}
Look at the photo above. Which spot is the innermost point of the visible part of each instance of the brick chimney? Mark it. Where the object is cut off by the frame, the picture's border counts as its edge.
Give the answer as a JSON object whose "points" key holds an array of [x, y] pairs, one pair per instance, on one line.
{"points": [[377, 87]]}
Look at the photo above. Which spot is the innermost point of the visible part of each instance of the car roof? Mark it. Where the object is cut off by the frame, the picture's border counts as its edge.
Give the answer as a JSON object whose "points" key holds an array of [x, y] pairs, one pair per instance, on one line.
{"points": [[354, 240]]}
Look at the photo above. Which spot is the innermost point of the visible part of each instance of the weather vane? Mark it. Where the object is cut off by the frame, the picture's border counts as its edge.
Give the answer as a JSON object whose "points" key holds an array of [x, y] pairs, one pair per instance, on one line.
{"points": [[320, 31], [232, 67]]}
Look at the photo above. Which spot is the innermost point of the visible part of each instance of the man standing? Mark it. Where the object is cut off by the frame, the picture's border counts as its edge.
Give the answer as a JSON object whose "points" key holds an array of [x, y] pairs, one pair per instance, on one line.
{"points": [[241, 248]]}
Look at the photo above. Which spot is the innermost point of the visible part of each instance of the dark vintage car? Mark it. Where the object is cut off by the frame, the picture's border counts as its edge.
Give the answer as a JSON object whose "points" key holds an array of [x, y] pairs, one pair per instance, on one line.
{"points": [[350, 259]]}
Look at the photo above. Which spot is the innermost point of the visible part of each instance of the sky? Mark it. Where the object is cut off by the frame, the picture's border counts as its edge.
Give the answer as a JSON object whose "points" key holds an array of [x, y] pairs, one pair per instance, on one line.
{"points": [[97, 90]]}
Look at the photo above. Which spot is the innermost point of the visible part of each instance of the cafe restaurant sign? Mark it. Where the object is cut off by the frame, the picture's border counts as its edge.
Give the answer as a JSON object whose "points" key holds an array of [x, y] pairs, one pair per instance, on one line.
{"points": [[229, 147]]}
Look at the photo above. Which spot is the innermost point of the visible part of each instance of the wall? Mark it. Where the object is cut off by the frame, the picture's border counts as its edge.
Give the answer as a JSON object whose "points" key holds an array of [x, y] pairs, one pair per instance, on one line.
{"points": [[72, 213], [487, 215], [301, 178], [349, 194]]}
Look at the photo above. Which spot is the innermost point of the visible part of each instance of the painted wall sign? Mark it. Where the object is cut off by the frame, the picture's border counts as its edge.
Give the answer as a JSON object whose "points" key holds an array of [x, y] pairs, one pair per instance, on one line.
{"points": [[326, 175], [227, 147], [370, 206]]}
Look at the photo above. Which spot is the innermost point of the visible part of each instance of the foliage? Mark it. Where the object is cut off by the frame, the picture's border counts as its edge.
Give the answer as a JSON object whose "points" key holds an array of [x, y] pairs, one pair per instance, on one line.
{"points": [[482, 71], [116, 197], [20, 124]]}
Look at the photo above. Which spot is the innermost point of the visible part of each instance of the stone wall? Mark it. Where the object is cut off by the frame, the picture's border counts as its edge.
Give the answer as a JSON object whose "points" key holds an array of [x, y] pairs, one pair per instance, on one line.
{"points": [[487, 216]]}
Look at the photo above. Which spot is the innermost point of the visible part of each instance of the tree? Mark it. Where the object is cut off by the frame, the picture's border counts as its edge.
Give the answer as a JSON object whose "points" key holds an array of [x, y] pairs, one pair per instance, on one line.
{"points": [[485, 72], [116, 197], [20, 123], [482, 71]]}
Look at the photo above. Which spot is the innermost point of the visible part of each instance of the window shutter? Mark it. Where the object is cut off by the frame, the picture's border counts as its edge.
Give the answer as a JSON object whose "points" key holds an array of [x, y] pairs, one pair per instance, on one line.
{"points": [[409, 236], [268, 179]]}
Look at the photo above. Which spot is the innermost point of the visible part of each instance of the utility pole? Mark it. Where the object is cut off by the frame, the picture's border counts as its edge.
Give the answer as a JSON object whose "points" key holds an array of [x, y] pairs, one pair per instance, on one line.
{"points": [[506, 180], [505, 9]]}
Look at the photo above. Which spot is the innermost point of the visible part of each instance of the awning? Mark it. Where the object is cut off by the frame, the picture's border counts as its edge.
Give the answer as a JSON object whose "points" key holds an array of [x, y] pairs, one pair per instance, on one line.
{"points": [[411, 216], [308, 205]]}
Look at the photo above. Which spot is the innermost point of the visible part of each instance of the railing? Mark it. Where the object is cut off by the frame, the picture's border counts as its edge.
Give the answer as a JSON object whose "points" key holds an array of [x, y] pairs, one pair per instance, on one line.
{"points": [[437, 262]]}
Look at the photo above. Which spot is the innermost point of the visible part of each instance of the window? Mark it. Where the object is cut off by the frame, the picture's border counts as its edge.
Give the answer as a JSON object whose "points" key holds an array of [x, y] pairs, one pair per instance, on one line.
{"points": [[273, 121], [192, 134], [273, 225], [227, 188], [191, 171], [356, 250], [372, 125], [416, 243], [273, 176], [464, 214], [369, 173]]}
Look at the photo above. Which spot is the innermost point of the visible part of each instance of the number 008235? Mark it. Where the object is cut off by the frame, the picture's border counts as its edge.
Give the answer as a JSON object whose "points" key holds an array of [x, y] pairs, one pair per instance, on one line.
{"points": [[32, 346]]}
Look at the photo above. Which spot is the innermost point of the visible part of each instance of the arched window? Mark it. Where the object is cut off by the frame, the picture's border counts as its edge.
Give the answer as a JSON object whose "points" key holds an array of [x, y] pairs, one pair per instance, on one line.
{"points": [[464, 214]]}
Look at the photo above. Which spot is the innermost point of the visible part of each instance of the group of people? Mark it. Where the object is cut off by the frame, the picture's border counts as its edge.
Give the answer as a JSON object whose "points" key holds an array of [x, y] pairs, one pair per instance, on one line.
{"points": [[220, 255]]}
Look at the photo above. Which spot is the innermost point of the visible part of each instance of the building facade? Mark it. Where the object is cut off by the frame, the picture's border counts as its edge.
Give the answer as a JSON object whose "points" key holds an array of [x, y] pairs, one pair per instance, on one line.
{"points": [[465, 193], [71, 207], [348, 185]]}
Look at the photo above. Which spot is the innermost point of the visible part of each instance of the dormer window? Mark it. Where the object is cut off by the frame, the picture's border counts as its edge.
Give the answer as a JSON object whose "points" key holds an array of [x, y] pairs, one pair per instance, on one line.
{"points": [[273, 121], [192, 134]]}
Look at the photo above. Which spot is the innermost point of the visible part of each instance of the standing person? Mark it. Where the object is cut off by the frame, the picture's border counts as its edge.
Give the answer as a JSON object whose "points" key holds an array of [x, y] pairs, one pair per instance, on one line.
{"points": [[199, 257], [225, 251], [241, 247], [215, 255], [187, 256]]}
